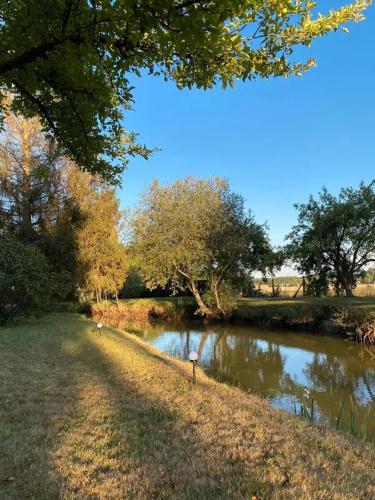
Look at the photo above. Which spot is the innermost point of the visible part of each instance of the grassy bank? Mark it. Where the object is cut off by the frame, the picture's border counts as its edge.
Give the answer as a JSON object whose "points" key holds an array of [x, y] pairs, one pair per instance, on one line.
{"points": [[355, 316], [173, 308], [109, 417], [331, 314]]}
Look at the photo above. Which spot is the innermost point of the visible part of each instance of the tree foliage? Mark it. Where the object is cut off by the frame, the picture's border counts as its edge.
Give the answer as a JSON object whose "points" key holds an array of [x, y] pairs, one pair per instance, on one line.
{"points": [[27, 285], [71, 216], [69, 62], [101, 263], [334, 239], [195, 234], [369, 276], [30, 169], [237, 247]]}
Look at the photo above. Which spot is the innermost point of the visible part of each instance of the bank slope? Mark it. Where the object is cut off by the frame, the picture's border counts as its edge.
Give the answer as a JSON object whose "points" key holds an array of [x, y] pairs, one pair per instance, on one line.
{"points": [[107, 416]]}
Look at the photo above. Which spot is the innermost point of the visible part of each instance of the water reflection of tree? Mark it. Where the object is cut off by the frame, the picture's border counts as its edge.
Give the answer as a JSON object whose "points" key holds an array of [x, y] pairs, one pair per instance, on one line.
{"points": [[255, 360], [333, 380], [344, 381], [242, 360]]}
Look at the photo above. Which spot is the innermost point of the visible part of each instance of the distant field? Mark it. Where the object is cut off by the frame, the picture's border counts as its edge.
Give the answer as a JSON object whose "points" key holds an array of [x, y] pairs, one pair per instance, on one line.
{"points": [[290, 290]]}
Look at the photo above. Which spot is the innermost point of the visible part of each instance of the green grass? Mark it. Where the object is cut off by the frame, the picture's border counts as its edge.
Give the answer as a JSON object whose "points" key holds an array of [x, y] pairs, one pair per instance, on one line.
{"points": [[368, 302], [308, 312], [84, 416]]}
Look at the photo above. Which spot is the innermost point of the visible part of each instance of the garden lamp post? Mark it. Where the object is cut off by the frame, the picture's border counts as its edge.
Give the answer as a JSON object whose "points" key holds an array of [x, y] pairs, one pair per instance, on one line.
{"points": [[99, 326], [193, 358]]}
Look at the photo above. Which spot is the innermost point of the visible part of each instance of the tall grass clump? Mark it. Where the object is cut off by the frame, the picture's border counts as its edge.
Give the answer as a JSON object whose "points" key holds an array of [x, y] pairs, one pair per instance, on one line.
{"points": [[346, 420], [358, 323]]}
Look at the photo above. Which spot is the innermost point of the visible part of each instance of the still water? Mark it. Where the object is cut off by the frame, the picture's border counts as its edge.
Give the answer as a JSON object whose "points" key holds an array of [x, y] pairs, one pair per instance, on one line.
{"points": [[287, 368]]}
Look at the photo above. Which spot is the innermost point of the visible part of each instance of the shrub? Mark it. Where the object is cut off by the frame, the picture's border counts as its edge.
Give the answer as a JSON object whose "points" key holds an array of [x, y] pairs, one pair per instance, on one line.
{"points": [[26, 284], [357, 322], [228, 301]]}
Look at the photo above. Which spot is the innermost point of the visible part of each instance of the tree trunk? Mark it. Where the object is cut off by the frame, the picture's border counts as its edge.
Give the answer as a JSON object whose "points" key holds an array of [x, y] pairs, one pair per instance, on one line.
{"points": [[26, 225], [187, 343], [215, 290], [347, 285], [205, 311], [202, 342]]}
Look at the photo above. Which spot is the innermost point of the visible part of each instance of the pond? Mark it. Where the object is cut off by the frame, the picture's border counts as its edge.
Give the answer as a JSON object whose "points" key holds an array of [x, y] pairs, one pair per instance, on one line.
{"points": [[295, 371]]}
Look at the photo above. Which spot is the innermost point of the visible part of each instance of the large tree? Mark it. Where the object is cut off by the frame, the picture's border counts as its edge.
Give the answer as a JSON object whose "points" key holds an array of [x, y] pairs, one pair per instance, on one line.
{"points": [[71, 216], [237, 246], [195, 234], [334, 239], [30, 169], [69, 61], [100, 260]]}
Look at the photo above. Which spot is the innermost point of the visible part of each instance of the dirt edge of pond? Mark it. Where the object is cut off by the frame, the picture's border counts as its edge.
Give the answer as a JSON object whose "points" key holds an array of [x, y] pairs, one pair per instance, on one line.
{"points": [[353, 320]]}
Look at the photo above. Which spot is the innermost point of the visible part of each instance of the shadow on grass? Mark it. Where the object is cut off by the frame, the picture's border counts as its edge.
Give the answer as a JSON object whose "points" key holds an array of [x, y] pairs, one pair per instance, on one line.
{"points": [[148, 435], [85, 424]]}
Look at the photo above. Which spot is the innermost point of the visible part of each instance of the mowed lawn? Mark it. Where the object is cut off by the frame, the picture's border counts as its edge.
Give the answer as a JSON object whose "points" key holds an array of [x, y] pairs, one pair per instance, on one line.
{"points": [[84, 416]]}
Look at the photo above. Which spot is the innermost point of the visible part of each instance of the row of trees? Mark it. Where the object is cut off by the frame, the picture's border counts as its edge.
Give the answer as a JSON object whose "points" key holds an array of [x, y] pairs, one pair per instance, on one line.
{"points": [[68, 69], [193, 236], [59, 226], [196, 235]]}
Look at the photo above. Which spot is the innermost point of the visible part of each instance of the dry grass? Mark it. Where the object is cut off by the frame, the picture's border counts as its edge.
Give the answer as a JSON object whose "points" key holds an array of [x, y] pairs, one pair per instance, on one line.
{"points": [[143, 309], [84, 416], [365, 290], [285, 291]]}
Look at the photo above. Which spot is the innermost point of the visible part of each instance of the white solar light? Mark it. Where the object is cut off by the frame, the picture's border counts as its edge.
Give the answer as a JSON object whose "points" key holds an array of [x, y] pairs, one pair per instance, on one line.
{"points": [[193, 358], [99, 326]]}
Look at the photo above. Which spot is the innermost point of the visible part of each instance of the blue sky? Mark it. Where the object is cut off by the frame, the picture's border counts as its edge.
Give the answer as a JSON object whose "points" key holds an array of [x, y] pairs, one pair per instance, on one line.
{"points": [[276, 141]]}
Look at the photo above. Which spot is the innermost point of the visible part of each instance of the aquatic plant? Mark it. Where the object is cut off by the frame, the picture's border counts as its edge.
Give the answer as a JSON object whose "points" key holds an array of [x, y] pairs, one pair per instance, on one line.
{"points": [[349, 424]]}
